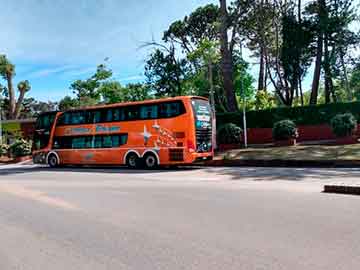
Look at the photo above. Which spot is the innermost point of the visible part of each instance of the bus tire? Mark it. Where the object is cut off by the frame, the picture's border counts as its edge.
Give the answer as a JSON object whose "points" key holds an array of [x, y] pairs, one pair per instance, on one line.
{"points": [[150, 161], [53, 161], [132, 161]]}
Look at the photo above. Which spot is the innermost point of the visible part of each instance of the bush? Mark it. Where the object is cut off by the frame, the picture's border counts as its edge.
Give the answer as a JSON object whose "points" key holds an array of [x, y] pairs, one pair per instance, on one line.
{"points": [[20, 148], [229, 134], [343, 124], [307, 115], [284, 130], [4, 148]]}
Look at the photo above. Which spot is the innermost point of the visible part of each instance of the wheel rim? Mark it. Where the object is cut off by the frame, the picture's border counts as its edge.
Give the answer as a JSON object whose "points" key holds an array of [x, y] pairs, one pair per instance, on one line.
{"points": [[150, 161], [53, 161], [132, 161]]}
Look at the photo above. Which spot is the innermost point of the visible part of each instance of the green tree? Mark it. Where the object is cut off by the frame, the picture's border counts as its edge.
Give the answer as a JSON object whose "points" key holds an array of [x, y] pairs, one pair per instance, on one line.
{"points": [[207, 53], [193, 29], [137, 92], [334, 41], [7, 72], [165, 73], [257, 27], [87, 91], [295, 55], [113, 92], [32, 108], [23, 87], [68, 103], [226, 49], [354, 83]]}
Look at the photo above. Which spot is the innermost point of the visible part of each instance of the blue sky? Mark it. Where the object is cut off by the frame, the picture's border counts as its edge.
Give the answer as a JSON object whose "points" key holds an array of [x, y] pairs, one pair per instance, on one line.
{"points": [[53, 43]]}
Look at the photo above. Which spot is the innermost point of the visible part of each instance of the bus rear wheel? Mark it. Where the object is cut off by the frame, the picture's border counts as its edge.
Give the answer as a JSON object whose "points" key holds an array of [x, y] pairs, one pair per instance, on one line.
{"points": [[132, 161], [150, 161], [53, 161]]}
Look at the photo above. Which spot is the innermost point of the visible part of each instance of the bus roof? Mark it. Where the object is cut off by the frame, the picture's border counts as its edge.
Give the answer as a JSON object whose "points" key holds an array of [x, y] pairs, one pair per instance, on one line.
{"points": [[136, 102]]}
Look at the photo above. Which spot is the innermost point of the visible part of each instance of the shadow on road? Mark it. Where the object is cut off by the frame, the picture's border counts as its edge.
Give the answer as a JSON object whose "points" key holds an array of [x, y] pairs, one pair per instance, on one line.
{"points": [[86, 169], [223, 173], [288, 174]]}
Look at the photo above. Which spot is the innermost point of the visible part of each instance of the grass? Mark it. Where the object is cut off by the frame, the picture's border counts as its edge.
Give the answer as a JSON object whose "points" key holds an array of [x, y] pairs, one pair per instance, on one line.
{"points": [[299, 152]]}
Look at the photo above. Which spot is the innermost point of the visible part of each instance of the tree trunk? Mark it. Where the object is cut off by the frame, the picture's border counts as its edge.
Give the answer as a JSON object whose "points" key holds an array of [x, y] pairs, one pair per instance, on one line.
{"points": [[261, 70], [299, 60], [226, 59], [329, 86], [346, 77], [327, 70], [301, 92], [19, 104], [317, 71], [211, 82], [11, 96]]}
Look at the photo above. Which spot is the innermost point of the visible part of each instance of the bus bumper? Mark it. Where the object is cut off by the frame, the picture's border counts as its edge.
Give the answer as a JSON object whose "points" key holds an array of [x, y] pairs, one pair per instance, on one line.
{"points": [[201, 157], [39, 157]]}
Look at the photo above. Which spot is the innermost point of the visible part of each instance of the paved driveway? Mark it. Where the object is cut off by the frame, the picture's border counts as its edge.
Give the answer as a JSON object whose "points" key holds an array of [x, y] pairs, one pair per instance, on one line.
{"points": [[200, 218]]}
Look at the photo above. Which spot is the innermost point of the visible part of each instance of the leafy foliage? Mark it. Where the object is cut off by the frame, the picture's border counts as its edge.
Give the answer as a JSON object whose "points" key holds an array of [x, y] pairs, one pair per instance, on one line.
{"points": [[229, 134], [193, 29], [113, 92], [284, 130], [307, 115], [355, 81], [4, 149], [343, 124], [165, 73], [68, 103], [7, 72], [20, 148], [87, 91]]}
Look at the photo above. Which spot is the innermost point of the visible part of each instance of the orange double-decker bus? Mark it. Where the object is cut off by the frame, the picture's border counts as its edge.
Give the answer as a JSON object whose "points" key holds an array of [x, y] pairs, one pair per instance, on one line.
{"points": [[171, 131]]}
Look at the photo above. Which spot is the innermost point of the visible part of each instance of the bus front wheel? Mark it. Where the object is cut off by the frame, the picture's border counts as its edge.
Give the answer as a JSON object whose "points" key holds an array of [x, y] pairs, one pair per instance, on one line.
{"points": [[53, 161], [150, 161]]}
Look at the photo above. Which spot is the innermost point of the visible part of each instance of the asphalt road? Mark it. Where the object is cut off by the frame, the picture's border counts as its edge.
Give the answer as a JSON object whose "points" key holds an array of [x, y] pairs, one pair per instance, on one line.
{"points": [[209, 218]]}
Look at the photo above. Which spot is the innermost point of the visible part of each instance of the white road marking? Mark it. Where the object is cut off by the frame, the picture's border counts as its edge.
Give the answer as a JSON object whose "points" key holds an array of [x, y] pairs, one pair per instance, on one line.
{"points": [[36, 195]]}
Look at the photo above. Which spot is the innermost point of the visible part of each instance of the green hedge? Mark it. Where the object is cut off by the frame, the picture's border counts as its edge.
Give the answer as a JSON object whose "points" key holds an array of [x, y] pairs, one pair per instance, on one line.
{"points": [[307, 115]]}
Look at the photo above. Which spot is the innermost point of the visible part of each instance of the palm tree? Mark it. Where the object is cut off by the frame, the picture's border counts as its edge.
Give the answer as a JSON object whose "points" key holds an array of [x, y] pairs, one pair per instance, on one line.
{"points": [[7, 71], [23, 87]]}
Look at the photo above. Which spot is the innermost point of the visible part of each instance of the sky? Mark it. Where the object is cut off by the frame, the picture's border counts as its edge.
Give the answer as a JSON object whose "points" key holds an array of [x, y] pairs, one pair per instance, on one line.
{"points": [[54, 42]]}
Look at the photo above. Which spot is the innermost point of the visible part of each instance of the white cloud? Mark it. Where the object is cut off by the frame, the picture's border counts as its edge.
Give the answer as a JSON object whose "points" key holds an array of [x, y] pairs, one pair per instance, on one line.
{"points": [[132, 78], [49, 71]]}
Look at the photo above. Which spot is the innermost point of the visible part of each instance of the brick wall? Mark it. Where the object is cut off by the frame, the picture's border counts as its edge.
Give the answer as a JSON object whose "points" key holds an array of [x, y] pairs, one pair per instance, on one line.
{"points": [[306, 133]]}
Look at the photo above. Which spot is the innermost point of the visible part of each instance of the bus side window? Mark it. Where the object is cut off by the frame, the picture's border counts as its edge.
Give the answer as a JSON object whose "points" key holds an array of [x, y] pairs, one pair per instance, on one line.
{"points": [[109, 115], [148, 111], [98, 142], [96, 116], [78, 118], [118, 114], [169, 109], [115, 140], [107, 142], [132, 113], [123, 139], [64, 119], [78, 143]]}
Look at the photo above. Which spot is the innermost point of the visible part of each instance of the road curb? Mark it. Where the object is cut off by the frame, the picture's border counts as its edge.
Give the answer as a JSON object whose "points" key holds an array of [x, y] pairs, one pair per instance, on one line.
{"points": [[285, 163], [342, 189]]}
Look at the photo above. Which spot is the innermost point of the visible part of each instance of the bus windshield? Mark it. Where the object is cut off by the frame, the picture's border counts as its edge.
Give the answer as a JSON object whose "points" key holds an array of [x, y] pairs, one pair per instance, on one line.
{"points": [[42, 130], [202, 113], [203, 124]]}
